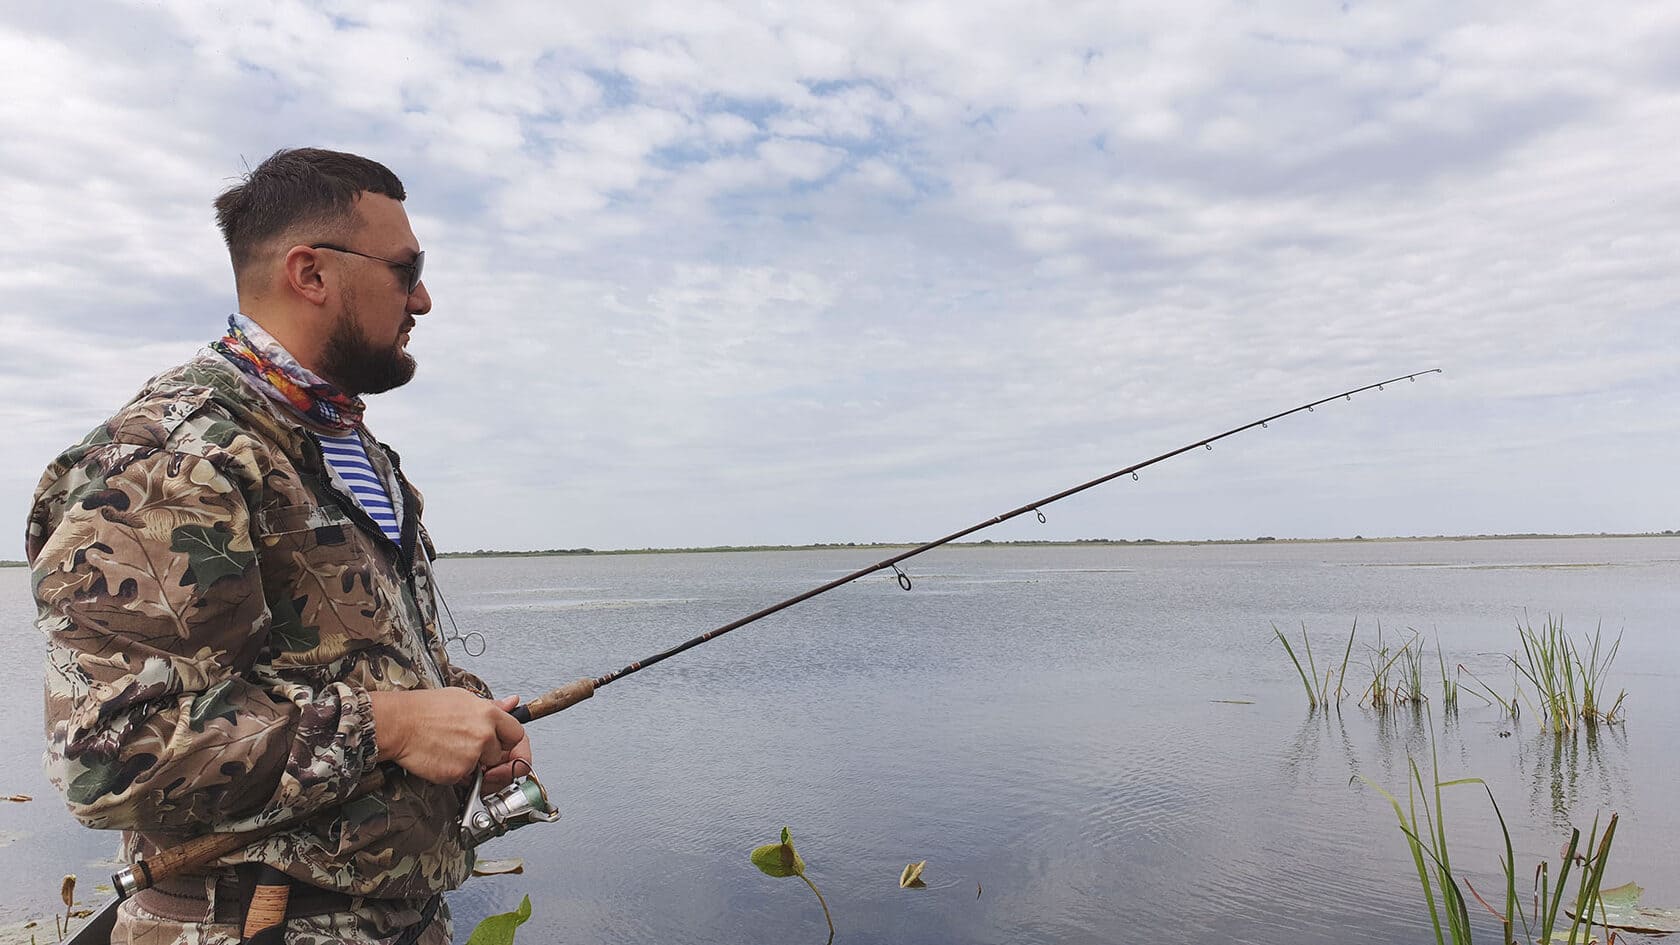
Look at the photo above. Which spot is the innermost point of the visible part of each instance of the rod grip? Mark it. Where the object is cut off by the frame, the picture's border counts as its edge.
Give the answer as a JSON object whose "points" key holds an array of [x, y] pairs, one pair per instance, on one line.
{"points": [[551, 702], [265, 914], [190, 856]]}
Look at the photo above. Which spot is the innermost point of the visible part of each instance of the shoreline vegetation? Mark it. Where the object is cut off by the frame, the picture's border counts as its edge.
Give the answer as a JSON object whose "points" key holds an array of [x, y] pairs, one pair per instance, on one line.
{"points": [[1026, 543]]}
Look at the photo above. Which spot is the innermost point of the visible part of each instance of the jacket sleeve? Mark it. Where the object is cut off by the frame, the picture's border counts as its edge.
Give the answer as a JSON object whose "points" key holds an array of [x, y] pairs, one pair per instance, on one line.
{"points": [[161, 713], [456, 676]]}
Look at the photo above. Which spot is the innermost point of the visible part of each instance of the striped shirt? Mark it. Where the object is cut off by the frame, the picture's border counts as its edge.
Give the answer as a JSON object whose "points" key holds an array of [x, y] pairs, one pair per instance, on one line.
{"points": [[348, 457]]}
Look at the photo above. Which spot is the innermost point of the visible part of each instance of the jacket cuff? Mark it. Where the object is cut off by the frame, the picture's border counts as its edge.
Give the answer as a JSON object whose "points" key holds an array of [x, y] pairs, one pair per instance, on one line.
{"points": [[363, 746]]}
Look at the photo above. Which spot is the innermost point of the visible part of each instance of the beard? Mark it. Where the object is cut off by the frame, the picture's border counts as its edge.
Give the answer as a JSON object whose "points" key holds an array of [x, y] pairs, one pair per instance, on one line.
{"points": [[357, 365]]}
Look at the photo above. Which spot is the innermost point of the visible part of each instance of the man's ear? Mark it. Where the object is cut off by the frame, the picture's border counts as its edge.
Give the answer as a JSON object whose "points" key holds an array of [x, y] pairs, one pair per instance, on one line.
{"points": [[303, 275]]}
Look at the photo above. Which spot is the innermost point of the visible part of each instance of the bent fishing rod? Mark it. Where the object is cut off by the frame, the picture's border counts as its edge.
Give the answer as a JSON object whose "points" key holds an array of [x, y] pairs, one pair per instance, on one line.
{"points": [[524, 801], [567, 696]]}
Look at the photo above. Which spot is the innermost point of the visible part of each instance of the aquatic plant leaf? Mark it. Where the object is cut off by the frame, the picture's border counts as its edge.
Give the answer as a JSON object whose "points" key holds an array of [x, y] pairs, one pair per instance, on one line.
{"points": [[498, 867], [1622, 908], [779, 859], [911, 878], [498, 929]]}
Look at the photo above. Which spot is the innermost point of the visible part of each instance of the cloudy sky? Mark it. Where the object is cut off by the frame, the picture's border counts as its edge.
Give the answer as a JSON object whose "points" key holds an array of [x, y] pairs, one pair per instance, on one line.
{"points": [[712, 273]]}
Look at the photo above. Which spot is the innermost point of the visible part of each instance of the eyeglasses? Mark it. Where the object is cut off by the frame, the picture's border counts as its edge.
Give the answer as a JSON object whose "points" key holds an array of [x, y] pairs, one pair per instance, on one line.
{"points": [[411, 270]]}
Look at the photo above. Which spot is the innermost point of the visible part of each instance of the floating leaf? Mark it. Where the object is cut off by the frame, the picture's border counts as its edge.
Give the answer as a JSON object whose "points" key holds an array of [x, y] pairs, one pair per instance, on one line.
{"points": [[1623, 911], [498, 867], [67, 890], [911, 878], [779, 859], [977, 890], [20, 798], [498, 929]]}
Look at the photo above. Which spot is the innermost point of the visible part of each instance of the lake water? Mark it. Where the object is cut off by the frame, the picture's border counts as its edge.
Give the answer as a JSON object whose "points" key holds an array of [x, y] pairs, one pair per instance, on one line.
{"points": [[1104, 742]]}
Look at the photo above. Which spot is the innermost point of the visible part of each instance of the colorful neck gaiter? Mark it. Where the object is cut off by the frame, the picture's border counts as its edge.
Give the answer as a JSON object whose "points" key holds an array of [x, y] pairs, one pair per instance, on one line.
{"points": [[255, 352]]}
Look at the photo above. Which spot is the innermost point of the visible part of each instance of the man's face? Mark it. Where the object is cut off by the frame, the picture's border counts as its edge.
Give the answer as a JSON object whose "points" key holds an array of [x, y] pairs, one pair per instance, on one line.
{"points": [[366, 349]]}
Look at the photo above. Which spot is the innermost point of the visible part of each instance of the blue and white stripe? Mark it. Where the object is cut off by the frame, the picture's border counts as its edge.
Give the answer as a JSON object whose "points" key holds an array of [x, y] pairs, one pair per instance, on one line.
{"points": [[348, 458]]}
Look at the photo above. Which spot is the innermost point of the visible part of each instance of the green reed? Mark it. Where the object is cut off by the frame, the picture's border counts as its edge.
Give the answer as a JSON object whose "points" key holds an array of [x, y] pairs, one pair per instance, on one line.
{"points": [[1425, 829], [1411, 673], [1391, 686], [1548, 899], [1593, 670], [1449, 685], [1568, 687], [1318, 691]]}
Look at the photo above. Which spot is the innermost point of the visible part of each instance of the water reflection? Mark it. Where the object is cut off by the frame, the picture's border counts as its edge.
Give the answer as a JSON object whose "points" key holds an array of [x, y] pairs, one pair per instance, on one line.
{"points": [[1321, 725], [1568, 770]]}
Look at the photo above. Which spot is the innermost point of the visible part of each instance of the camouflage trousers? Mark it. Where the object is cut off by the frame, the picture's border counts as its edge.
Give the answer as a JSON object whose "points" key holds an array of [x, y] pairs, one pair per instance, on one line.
{"points": [[372, 923]]}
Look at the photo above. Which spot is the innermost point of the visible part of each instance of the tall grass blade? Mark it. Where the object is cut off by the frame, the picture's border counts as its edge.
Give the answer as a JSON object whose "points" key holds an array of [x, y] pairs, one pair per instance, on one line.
{"points": [[1341, 677], [1312, 699]]}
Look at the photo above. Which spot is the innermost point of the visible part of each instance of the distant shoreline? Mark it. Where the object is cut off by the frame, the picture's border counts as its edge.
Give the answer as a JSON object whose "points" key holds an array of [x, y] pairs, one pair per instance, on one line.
{"points": [[1080, 542], [988, 543]]}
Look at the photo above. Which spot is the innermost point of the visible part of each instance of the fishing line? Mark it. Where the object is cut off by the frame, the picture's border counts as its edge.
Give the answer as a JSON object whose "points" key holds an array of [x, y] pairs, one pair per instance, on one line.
{"points": [[569, 695]]}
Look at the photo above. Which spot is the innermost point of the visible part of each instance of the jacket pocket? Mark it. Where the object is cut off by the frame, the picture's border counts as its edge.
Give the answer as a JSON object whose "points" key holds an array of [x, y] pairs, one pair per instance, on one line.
{"points": [[326, 590]]}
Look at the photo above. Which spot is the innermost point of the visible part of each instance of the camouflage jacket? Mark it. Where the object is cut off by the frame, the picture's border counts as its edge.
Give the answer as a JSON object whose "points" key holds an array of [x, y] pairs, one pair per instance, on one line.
{"points": [[216, 612]]}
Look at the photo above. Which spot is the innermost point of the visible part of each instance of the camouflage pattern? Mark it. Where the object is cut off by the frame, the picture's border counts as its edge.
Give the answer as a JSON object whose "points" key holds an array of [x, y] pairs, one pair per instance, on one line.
{"points": [[371, 923], [216, 611]]}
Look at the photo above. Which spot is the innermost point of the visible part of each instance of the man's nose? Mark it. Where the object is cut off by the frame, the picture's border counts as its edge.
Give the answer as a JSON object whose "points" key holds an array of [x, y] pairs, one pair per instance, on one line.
{"points": [[419, 301]]}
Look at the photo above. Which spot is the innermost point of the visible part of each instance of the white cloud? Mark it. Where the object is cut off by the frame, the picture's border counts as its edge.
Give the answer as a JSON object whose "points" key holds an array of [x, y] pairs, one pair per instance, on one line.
{"points": [[920, 255]]}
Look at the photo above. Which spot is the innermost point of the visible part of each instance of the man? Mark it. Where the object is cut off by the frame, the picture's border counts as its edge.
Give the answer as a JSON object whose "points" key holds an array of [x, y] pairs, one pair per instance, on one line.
{"points": [[237, 593]]}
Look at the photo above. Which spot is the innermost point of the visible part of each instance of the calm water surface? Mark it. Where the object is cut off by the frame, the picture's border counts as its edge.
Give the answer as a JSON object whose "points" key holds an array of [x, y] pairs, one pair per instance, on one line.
{"points": [[1105, 741]]}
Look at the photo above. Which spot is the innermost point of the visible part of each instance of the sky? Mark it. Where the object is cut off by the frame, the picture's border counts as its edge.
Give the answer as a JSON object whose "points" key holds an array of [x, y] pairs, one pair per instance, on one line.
{"points": [[714, 273]]}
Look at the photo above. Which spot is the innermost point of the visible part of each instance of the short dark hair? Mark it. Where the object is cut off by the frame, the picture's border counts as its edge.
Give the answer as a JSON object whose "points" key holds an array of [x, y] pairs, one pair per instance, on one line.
{"points": [[297, 186]]}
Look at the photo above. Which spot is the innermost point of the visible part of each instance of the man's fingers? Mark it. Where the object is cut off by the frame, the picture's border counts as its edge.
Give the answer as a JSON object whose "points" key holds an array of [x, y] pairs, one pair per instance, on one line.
{"points": [[508, 730], [507, 703]]}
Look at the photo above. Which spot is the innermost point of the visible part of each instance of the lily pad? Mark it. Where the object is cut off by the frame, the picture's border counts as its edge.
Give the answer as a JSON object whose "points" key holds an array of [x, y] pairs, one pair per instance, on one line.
{"points": [[1621, 905], [498, 867], [779, 859], [498, 929]]}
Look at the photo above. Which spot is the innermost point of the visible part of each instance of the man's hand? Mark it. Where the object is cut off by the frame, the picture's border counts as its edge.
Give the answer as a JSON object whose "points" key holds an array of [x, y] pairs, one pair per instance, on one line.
{"points": [[501, 775], [447, 735]]}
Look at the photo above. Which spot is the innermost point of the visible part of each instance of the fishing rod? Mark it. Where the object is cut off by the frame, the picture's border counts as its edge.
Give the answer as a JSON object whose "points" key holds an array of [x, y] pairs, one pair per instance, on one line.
{"points": [[524, 801], [570, 695]]}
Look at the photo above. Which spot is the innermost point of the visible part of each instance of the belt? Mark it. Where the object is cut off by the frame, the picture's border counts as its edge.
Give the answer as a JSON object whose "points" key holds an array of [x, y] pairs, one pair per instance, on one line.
{"points": [[184, 899]]}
